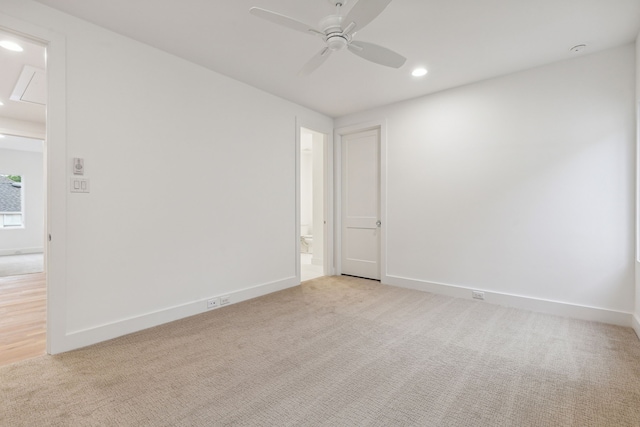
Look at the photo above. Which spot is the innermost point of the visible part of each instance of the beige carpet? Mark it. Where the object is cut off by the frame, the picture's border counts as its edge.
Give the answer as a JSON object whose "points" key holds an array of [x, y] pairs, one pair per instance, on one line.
{"points": [[340, 352], [15, 265]]}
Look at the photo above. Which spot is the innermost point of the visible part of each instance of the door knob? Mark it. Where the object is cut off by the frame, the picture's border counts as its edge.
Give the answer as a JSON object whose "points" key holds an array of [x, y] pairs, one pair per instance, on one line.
{"points": [[378, 223]]}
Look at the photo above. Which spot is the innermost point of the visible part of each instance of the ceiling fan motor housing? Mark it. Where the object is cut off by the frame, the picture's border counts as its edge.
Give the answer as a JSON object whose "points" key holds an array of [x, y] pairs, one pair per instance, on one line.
{"points": [[332, 27]]}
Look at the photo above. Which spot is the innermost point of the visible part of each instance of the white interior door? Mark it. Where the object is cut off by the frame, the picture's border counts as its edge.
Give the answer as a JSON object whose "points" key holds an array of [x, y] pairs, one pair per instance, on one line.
{"points": [[361, 204]]}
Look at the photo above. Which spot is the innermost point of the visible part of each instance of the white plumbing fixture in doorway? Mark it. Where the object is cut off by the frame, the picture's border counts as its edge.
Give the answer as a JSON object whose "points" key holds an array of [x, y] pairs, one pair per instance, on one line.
{"points": [[306, 239]]}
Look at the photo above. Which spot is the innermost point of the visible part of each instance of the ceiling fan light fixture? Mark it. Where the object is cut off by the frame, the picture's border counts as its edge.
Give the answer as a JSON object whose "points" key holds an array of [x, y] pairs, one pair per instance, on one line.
{"points": [[337, 42], [419, 72], [12, 46]]}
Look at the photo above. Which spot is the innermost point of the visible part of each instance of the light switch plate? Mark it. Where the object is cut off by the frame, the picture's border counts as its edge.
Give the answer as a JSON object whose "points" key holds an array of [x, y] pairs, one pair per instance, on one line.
{"points": [[79, 185]]}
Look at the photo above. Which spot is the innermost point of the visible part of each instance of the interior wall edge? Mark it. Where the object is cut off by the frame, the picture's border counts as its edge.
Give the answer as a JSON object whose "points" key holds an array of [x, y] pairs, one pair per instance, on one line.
{"points": [[86, 337], [637, 193], [635, 324], [556, 308]]}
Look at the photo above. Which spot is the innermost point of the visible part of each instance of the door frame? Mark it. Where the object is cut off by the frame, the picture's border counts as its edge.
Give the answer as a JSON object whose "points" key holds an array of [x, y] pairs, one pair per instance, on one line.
{"points": [[55, 172], [339, 133], [328, 196]]}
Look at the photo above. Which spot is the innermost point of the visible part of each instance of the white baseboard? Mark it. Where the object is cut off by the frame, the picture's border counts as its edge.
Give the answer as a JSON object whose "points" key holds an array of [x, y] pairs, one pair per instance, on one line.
{"points": [[82, 338], [635, 324], [526, 303], [21, 251]]}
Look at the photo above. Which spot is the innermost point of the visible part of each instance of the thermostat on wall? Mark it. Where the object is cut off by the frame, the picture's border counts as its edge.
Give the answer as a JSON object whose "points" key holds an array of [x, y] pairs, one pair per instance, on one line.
{"points": [[78, 166]]}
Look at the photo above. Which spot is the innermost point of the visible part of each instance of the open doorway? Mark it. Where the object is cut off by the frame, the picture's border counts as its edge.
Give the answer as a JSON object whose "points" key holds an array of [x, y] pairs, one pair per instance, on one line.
{"points": [[23, 96], [21, 206], [313, 213]]}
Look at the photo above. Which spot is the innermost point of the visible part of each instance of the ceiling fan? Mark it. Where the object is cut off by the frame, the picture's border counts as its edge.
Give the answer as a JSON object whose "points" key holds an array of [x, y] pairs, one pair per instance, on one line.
{"points": [[337, 31]]}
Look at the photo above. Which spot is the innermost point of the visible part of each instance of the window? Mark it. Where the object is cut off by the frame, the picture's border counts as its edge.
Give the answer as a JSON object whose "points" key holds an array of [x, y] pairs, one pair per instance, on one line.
{"points": [[11, 213]]}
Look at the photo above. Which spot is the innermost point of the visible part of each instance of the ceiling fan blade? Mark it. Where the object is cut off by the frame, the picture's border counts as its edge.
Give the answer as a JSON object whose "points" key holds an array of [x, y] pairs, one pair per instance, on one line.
{"points": [[363, 12], [315, 62], [283, 20], [378, 54]]}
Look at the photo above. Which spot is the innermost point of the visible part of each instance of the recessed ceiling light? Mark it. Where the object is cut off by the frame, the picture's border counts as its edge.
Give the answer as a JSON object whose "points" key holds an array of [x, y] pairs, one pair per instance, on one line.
{"points": [[419, 72], [1, 103], [15, 47]]}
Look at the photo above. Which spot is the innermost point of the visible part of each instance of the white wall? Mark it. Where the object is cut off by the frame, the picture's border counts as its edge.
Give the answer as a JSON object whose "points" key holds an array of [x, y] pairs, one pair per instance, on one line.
{"points": [[30, 238], [521, 185], [163, 140]]}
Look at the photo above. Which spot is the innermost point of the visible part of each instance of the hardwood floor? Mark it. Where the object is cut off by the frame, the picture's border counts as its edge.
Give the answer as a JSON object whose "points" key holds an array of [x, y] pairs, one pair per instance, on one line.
{"points": [[22, 317]]}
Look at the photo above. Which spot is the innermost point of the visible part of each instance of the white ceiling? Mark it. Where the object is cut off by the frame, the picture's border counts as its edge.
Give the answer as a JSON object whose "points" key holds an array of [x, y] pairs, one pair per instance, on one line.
{"points": [[459, 41]]}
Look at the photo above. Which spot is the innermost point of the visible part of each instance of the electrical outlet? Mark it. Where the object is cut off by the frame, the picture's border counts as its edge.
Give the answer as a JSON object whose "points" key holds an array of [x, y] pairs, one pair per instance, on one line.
{"points": [[477, 295], [225, 300], [213, 303]]}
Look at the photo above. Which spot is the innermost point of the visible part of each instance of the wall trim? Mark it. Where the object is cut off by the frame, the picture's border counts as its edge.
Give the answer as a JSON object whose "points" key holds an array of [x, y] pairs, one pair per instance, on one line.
{"points": [[85, 337], [635, 324], [21, 251], [557, 308]]}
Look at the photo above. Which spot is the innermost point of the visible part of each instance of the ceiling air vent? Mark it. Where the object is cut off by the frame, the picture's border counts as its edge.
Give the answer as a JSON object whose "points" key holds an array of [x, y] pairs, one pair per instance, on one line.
{"points": [[31, 86]]}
